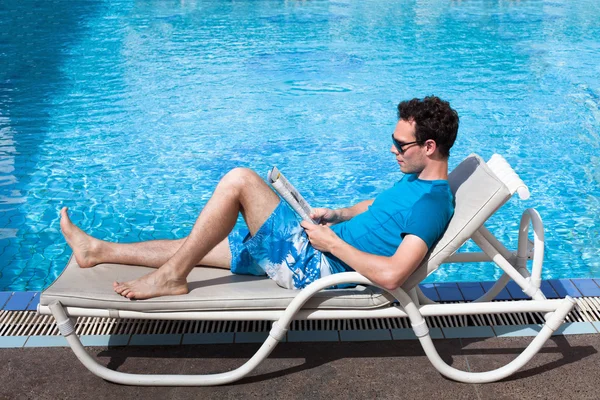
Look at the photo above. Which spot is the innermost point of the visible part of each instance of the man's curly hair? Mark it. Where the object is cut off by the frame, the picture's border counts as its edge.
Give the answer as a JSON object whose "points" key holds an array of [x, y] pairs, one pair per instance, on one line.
{"points": [[434, 119]]}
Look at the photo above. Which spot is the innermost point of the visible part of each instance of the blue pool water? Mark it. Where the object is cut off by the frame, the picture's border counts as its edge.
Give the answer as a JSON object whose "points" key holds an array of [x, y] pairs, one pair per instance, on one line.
{"points": [[130, 112]]}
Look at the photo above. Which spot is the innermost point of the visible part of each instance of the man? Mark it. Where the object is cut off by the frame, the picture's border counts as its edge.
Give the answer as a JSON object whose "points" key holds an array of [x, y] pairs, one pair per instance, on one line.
{"points": [[384, 239]]}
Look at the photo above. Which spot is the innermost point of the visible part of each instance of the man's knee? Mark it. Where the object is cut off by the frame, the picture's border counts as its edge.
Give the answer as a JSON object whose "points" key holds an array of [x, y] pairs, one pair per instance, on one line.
{"points": [[239, 178]]}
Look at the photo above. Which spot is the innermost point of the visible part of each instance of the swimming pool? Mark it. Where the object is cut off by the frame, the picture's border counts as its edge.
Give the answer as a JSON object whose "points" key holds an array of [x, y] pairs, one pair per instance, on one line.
{"points": [[130, 112]]}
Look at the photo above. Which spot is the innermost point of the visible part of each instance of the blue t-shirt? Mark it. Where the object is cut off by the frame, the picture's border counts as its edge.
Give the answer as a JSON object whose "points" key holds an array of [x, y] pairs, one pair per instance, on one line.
{"points": [[411, 207]]}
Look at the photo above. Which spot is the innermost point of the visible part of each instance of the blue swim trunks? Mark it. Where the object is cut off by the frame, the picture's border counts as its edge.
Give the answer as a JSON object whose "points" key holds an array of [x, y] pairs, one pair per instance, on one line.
{"points": [[280, 249]]}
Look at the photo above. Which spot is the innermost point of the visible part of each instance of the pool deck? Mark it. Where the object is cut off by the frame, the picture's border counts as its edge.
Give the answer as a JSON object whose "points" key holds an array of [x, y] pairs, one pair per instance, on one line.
{"points": [[567, 367], [363, 365]]}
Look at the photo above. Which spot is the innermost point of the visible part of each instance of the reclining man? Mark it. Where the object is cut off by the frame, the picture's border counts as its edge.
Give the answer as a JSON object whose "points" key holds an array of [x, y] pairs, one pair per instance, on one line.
{"points": [[384, 239]]}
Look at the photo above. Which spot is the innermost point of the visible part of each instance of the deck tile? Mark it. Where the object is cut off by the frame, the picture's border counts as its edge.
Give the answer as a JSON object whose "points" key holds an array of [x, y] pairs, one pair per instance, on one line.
{"points": [[208, 338], [448, 291], [575, 328], [503, 295], [19, 301], [34, 301], [564, 287], [548, 291], [517, 330], [365, 335], [104, 340], [471, 290], [313, 336], [587, 287], [152, 340], [4, 296], [46, 341], [409, 334], [468, 332], [7, 342], [428, 290], [252, 337], [515, 291]]}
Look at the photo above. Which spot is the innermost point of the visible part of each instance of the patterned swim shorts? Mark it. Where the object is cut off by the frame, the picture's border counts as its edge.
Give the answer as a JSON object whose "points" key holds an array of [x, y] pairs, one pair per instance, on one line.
{"points": [[280, 249]]}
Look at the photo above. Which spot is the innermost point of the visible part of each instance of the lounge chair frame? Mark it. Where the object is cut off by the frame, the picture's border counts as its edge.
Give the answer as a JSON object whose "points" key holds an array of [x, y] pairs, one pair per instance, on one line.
{"points": [[412, 304]]}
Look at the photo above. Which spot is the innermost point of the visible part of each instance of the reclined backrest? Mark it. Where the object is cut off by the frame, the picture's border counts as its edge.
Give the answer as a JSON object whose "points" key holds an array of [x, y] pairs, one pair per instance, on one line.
{"points": [[478, 193]]}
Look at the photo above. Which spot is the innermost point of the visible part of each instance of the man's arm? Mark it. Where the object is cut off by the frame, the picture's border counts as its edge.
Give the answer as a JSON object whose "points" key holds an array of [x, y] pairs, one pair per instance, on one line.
{"points": [[328, 216], [350, 212], [387, 272]]}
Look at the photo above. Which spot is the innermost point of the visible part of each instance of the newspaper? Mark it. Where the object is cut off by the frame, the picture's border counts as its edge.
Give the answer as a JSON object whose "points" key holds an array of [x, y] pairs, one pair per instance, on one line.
{"points": [[290, 194]]}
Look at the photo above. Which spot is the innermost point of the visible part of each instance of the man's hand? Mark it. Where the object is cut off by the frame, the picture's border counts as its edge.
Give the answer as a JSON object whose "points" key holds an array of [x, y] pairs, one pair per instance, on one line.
{"points": [[321, 237], [325, 216]]}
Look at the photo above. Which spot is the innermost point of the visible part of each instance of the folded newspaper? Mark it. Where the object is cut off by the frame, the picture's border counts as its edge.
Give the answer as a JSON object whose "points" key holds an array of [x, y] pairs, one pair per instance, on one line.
{"points": [[290, 194]]}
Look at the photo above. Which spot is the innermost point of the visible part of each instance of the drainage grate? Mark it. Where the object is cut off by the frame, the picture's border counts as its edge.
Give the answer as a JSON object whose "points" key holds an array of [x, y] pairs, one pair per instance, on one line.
{"points": [[28, 323]]}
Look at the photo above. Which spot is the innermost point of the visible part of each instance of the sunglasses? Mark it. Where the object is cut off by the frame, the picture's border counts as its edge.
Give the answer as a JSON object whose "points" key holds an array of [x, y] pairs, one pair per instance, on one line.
{"points": [[399, 145]]}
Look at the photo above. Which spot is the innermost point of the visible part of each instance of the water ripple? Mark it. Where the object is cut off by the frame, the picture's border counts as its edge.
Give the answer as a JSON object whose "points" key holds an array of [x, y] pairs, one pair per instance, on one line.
{"points": [[130, 113]]}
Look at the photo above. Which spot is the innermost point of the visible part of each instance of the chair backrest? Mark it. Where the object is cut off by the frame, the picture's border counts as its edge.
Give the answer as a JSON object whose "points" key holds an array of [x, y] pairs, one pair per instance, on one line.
{"points": [[478, 193]]}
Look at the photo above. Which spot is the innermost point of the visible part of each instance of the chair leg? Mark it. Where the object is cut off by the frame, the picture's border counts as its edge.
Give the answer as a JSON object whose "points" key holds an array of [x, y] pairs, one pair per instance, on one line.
{"points": [[67, 329], [420, 327], [276, 334]]}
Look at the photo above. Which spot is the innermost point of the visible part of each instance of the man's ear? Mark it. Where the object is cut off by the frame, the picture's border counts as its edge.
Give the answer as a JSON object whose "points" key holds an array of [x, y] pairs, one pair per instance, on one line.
{"points": [[431, 146]]}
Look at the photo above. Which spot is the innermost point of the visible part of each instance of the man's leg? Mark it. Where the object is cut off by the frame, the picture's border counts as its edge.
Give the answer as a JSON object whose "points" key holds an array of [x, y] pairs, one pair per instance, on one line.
{"points": [[90, 251], [241, 190]]}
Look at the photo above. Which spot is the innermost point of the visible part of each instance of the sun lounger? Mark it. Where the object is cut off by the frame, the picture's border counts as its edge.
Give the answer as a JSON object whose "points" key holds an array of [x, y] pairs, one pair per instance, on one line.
{"points": [[480, 189]]}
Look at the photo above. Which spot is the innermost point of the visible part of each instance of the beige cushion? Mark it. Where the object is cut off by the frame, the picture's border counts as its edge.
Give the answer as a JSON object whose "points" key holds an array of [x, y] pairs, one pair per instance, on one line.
{"points": [[478, 194], [211, 289]]}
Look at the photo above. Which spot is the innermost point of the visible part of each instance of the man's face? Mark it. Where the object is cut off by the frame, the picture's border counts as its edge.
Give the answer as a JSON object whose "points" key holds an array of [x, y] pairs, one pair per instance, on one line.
{"points": [[412, 160]]}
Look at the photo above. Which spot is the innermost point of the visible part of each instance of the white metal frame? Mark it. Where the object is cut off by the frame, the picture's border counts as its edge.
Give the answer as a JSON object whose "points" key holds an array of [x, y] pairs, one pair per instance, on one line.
{"points": [[414, 305]]}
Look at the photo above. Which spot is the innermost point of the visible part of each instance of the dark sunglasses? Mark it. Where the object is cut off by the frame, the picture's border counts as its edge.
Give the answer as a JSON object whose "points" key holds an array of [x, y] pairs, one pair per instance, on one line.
{"points": [[399, 145]]}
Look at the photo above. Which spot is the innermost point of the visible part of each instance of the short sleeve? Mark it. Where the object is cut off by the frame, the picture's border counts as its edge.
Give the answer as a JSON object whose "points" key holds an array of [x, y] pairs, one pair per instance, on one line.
{"points": [[429, 218]]}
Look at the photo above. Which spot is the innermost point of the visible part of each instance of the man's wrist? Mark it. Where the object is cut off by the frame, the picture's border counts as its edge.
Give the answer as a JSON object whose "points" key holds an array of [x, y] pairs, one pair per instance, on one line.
{"points": [[341, 215], [336, 246]]}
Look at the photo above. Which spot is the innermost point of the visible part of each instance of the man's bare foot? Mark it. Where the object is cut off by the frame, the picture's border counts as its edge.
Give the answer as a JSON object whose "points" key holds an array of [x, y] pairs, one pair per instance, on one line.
{"points": [[157, 283], [83, 245]]}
